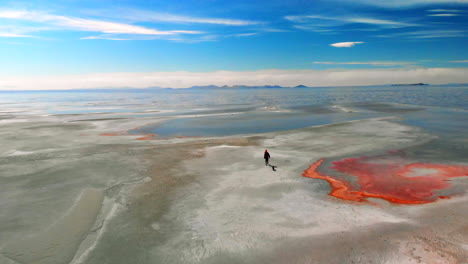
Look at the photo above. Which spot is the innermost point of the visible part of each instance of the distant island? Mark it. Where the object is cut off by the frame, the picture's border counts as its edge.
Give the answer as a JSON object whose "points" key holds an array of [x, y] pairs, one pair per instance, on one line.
{"points": [[245, 87], [409, 84], [216, 87], [278, 86]]}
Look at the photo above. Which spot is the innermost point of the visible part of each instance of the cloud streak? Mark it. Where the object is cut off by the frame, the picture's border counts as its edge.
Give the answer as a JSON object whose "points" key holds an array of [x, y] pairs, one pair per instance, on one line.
{"points": [[404, 3], [427, 34], [372, 63], [245, 34], [443, 15], [346, 44], [13, 35], [286, 78], [104, 37], [90, 25], [444, 10], [334, 24], [148, 16], [347, 20], [199, 36]]}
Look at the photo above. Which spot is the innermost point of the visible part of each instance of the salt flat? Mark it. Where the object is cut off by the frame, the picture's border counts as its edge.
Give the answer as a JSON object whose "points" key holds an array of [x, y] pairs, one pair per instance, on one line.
{"points": [[110, 187]]}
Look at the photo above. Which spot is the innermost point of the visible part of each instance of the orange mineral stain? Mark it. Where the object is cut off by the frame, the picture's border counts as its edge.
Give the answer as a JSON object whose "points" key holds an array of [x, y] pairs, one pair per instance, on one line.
{"points": [[126, 133], [396, 182], [146, 136]]}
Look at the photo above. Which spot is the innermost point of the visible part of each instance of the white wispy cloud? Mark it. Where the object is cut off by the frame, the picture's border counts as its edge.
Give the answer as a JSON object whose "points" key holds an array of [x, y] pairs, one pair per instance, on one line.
{"points": [[331, 24], [13, 35], [460, 61], [120, 31], [381, 22], [215, 37], [426, 34], [212, 37], [348, 20], [150, 16], [104, 37], [182, 79], [246, 34], [187, 38], [104, 26], [346, 44], [91, 25], [371, 63], [404, 3], [14, 31], [190, 32], [315, 29], [273, 30], [443, 15], [444, 10]]}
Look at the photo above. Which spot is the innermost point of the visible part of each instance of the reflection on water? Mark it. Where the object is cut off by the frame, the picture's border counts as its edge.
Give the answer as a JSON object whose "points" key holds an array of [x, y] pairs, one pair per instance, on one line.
{"points": [[53, 101], [245, 124]]}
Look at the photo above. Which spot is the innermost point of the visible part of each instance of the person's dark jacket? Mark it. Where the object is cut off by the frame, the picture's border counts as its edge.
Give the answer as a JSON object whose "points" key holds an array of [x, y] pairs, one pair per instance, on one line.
{"points": [[266, 155]]}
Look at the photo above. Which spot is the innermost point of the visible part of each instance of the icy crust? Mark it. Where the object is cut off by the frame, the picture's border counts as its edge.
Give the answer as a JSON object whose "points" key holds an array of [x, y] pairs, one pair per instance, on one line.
{"points": [[241, 207]]}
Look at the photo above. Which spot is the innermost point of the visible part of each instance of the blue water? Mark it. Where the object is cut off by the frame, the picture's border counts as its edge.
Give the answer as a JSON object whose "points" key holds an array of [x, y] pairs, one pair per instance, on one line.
{"points": [[442, 96], [245, 124], [437, 109]]}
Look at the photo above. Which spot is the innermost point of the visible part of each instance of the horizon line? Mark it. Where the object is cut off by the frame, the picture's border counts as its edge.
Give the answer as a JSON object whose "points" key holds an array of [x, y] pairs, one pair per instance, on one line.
{"points": [[233, 87], [283, 78]]}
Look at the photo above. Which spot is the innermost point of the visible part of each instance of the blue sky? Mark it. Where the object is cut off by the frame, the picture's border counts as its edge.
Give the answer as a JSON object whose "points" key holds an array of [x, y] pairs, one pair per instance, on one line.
{"points": [[71, 37]]}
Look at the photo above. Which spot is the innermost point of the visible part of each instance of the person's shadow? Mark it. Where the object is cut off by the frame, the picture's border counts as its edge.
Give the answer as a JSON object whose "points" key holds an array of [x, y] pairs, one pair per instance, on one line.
{"points": [[273, 167]]}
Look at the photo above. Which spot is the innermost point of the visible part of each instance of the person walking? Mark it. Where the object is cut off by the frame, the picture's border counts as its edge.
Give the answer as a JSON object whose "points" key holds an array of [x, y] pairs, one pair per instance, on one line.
{"points": [[266, 156]]}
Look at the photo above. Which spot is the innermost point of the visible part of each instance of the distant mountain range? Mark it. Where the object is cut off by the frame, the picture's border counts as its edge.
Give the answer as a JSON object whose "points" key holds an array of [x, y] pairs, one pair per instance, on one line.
{"points": [[409, 84], [213, 87], [244, 87]]}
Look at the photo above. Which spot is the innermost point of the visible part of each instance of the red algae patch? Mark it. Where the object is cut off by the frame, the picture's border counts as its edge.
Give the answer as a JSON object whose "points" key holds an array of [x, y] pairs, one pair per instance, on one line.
{"points": [[391, 179]]}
